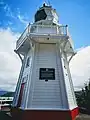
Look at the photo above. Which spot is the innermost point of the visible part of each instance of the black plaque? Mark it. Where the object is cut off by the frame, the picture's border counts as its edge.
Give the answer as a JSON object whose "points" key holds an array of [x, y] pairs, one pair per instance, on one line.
{"points": [[47, 74]]}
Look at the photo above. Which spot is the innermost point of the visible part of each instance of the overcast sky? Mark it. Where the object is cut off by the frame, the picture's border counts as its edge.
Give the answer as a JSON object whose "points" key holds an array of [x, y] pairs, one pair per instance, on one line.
{"points": [[14, 17]]}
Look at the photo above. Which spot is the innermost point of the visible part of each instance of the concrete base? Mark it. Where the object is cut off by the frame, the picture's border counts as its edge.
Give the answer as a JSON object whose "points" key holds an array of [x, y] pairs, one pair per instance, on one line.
{"points": [[19, 114]]}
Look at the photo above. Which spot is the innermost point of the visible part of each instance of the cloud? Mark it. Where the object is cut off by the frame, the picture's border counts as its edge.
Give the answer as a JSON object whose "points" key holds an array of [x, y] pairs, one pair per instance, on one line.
{"points": [[16, 15], [8, 11], [80, 67], [9, 61], [9, 23], [23, 20], [1, 3]]}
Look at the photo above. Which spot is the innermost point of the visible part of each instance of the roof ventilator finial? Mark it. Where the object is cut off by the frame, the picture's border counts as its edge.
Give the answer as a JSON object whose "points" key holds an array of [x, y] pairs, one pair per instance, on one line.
{"points": [[44, 4]]}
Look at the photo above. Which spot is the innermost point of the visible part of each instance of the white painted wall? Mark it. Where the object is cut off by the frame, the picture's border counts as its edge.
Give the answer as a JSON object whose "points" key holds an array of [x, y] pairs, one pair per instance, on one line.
{"points": [[46, 94], [68, 83], [53, 94]]}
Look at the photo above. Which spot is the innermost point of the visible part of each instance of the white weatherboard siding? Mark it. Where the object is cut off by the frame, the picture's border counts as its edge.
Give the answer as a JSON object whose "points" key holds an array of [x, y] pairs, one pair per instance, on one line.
{"points": [[27, 73], [23, 78], [39, 94], [68, 84], [17, 91], [46, 94]]}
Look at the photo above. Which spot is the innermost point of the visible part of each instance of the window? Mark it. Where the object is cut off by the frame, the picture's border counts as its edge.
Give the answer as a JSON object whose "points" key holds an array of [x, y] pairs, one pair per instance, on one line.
{"points": [[47, 73], [27, 63]]}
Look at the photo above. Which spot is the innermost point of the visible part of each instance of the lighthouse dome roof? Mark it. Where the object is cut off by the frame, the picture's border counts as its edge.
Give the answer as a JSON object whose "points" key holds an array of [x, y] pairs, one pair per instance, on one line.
{"points": [[47, 14]]}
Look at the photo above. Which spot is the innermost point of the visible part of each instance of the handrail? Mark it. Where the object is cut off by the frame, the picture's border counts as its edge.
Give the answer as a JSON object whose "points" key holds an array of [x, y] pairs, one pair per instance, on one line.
{"points": [[25, 31], [60, 30]]}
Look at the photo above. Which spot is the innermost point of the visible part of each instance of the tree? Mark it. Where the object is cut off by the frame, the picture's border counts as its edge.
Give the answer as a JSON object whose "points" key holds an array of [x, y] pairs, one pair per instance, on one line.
{"points": [[83, 98]]}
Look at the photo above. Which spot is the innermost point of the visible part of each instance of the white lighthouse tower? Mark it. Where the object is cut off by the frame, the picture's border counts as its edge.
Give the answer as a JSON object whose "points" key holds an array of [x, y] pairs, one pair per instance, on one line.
{"points": [[44, 89]]}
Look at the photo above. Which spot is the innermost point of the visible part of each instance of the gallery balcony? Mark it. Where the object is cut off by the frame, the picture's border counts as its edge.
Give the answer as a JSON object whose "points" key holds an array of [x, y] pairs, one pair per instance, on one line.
{"points": [[42, 32]]}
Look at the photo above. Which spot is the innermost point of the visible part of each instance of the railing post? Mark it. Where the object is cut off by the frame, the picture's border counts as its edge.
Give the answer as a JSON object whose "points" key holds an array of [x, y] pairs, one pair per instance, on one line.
{"points": [[37, 28], [62, 30], [28, 27], [66, 29], [57, 29]]}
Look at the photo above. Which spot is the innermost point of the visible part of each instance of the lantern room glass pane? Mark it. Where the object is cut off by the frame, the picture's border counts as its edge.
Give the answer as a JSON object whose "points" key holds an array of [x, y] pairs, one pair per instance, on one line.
{"points": [[40, 15]]}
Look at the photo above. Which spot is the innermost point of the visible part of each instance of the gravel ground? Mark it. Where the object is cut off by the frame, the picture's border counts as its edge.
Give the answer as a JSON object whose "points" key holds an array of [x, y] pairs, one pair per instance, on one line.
{"points": [[83, 117]]}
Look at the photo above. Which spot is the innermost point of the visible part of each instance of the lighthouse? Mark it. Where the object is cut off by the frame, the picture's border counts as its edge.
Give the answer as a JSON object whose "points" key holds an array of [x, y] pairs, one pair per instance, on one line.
{"points": [[44, 89]]}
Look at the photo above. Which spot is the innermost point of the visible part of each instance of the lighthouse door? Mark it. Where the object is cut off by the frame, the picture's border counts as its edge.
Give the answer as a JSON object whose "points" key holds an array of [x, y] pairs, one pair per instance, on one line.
{"points": [[20, 95]]}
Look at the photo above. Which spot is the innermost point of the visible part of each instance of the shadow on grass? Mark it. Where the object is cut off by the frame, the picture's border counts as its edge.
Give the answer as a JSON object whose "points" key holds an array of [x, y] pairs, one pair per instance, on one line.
{"points": [[4, 116]]}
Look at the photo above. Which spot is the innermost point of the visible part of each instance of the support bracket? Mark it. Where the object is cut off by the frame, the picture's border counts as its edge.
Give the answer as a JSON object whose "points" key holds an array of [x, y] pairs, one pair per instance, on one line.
{"points": [[71, 57], [19, 55]]}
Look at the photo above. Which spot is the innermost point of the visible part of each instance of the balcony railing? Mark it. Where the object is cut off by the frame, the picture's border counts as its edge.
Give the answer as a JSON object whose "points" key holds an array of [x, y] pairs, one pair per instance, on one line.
{"points": [[42, 29]]}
